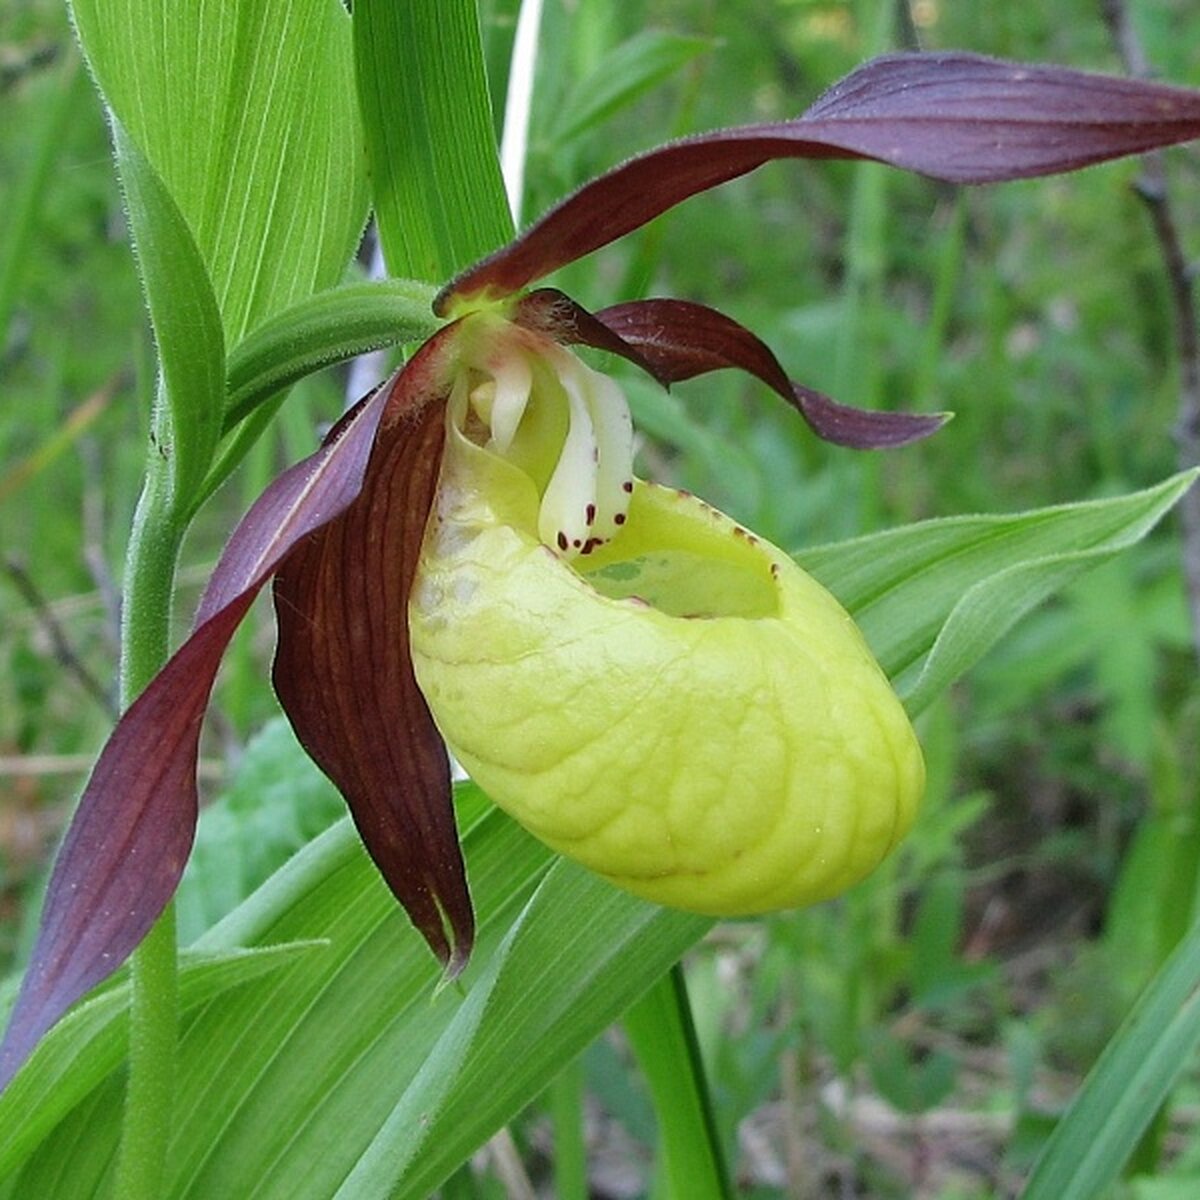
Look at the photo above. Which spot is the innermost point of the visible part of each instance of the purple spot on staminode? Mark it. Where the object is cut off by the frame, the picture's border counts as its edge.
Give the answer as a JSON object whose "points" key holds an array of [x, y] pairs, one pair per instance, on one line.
{"points": [[562, 540], [619, 519], [591, 514]]}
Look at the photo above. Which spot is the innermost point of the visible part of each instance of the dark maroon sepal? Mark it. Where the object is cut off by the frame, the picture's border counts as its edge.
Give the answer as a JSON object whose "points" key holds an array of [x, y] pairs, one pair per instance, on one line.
{"points": [[129, 840], [957, 117], [681, 339], [344, 675], [966, 118]]}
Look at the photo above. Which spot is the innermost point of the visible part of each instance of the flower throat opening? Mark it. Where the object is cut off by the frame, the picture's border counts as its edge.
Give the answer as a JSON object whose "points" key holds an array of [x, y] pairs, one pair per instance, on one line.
{"points": [[533, 403], [686, 559]]}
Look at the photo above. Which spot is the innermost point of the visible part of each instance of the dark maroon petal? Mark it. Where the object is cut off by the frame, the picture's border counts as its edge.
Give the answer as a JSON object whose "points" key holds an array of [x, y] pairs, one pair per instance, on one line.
{"points": [[131, 835], [681, 339], [957, 117], [345, 677]]}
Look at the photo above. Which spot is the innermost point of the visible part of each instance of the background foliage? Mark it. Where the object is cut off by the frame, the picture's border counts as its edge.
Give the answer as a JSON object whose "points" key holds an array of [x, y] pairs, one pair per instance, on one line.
{"points": [[919, 1037]]}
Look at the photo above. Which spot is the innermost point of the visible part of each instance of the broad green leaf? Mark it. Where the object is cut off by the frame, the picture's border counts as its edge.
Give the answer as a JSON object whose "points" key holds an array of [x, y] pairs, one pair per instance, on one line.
{"points": [[503, 1046], [216, 97], [283, 1082], [428, 123], [299, 1082], [328, 327], [187, 325], [622, 75], [92, 1041], [933, 597], [1123, 1091]]}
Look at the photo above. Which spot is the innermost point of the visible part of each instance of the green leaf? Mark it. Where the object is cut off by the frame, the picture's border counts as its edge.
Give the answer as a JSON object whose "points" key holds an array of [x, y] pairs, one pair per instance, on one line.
{"points": [[933, 597], [565, 1105], [501, 1046], [246, 111], [439, 197], [312, 1078], [93, 1040], [276, 803], [1123, 1091], [626, 72], [283, 1082], [328, 327], [187, 325]]}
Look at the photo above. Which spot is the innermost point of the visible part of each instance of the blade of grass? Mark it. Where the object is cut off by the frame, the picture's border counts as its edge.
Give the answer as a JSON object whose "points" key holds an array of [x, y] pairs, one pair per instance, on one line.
{"points": [[77, 422], [1123, 1091], [24, 201], [858, 371]]}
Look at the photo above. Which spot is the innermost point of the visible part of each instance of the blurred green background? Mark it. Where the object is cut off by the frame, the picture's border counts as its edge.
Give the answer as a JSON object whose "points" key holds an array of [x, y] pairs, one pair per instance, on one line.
{"points": [[918, 1037]]}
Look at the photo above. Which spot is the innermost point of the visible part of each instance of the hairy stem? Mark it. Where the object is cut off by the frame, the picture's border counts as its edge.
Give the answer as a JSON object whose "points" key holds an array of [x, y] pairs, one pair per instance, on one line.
{"points": [[145, 641]]}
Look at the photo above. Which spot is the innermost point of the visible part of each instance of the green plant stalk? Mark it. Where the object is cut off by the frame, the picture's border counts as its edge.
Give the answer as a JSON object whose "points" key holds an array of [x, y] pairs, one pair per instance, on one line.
{"points": [[570, 1152], [150, 564], [660, 1030]]}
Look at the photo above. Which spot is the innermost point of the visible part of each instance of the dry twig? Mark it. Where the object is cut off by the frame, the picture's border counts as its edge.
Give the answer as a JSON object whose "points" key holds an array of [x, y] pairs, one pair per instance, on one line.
{"points": [[63, 650], [1152, 189]]}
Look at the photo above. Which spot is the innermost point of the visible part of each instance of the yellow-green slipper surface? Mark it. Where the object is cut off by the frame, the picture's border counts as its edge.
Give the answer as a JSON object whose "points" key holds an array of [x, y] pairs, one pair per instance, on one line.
{"points": [[684, 710]]}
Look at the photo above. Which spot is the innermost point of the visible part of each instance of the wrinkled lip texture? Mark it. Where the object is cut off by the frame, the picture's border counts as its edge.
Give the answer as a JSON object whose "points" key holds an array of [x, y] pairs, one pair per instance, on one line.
{"points": [[687, 713]]}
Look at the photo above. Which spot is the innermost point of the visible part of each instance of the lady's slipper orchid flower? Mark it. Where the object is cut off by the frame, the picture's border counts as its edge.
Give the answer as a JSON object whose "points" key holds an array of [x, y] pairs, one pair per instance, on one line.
{"points": [[644, 684]]}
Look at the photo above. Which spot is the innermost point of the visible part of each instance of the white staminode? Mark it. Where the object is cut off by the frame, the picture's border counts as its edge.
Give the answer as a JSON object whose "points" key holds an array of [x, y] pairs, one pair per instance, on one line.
{"points": [[586, 498], [512, 383]]}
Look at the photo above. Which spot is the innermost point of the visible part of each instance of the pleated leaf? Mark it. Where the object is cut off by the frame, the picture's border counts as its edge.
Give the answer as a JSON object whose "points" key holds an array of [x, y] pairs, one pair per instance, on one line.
{"points": [[435, 176], [310, 1079], [94, 1040], [246, 111], [933, 597]]}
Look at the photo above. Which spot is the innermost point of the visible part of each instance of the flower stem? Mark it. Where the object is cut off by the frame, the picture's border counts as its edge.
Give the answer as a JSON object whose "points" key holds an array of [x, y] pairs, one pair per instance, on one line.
{"points": [[154, 1013], [663, 1038], [149, 1095]]}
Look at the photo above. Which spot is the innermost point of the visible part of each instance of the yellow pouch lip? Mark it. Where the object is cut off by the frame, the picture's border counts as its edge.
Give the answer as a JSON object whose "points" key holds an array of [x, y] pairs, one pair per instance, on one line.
{"points": [[729, 759]]}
